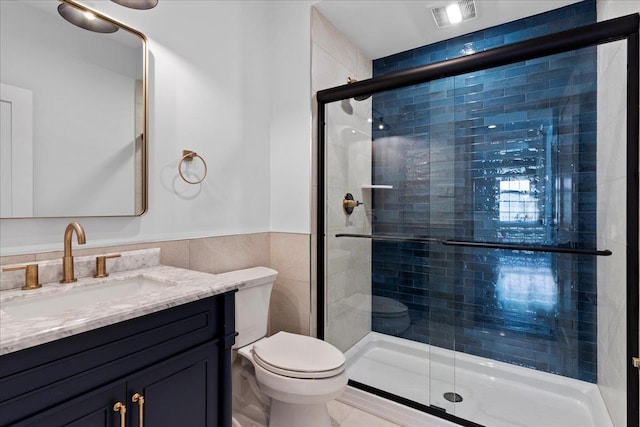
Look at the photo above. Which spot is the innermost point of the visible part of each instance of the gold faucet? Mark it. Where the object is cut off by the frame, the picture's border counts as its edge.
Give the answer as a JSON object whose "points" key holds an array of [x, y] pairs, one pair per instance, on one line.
{"points": [[67, 259]]}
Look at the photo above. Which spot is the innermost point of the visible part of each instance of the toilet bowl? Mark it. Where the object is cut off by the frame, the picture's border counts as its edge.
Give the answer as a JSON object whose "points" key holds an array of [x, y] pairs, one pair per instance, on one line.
{"points": [[300, 374], [285, 379]]}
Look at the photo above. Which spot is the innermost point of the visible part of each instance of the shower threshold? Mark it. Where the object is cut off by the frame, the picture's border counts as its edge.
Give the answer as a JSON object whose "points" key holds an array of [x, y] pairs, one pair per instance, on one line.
{"points": [[494, 394]]}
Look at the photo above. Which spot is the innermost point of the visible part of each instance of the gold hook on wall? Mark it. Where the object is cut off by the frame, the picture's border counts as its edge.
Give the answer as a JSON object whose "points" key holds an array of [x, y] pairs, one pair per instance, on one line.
{"points": [[188, 156]]}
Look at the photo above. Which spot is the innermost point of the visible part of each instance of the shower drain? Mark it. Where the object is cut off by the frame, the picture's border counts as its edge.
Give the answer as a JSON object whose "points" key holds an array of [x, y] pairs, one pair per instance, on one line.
{"points": [[453, 397]]}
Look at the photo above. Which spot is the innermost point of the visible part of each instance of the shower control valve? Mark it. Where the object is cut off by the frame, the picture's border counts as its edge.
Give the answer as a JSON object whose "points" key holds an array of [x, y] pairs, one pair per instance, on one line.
{"points": [[349, 203]]}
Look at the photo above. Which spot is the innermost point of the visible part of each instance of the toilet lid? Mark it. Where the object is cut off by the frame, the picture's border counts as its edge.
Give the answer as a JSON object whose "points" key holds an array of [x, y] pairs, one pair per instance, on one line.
{"points": [[298, 356]]}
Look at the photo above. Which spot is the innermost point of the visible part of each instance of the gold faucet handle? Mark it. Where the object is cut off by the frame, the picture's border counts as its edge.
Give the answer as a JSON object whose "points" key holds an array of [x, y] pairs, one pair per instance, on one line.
{"points": [[351, 203], [101, 265], [30, 275]]}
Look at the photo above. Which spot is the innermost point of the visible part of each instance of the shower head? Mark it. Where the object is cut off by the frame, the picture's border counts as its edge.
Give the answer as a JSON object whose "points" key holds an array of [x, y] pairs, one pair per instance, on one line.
{"points": [[359, 97]]}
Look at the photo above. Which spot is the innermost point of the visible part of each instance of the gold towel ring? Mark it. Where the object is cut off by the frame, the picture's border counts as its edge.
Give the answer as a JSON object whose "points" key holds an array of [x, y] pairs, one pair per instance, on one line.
{"points": [[188, 155]]}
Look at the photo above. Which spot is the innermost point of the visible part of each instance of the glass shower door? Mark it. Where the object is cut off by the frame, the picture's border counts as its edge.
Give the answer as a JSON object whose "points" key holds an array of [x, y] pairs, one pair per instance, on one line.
{"points": [[478, 256], [348, 261], [389, 196]]}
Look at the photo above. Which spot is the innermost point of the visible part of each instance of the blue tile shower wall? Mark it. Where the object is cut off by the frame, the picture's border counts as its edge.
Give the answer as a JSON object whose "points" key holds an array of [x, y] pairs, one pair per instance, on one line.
{"points": [[506, 154]]}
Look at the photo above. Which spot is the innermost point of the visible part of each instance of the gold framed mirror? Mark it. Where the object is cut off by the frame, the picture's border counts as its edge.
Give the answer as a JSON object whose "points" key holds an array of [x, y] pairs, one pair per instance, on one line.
{"points": [[74, 114]]}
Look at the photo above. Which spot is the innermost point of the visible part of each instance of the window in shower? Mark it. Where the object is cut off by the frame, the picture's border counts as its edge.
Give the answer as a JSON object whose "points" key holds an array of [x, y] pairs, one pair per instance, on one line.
{"points": [[517, 201]]}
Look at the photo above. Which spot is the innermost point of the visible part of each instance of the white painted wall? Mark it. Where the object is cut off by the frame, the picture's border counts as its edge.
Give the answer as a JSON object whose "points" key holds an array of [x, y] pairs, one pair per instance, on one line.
{"points": [[612, 331], [291, 117], [216, 67]]}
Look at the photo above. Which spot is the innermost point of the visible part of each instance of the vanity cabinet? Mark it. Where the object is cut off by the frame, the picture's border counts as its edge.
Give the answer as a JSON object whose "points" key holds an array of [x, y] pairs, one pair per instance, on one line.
{"points": [[177, 359], [175, 393]]}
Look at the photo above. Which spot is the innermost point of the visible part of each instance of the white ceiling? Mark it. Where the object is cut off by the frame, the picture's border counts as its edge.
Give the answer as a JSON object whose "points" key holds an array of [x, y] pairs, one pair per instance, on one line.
{"points": [[383, 27]]}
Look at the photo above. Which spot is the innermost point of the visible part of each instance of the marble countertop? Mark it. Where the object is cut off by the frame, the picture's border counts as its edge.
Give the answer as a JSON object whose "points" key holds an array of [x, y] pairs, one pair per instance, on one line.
{"points": [[185, 286]]}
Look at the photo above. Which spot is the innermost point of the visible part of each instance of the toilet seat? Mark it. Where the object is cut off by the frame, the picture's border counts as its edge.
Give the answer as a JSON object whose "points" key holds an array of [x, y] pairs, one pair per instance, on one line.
{"points": [[298, 356]]}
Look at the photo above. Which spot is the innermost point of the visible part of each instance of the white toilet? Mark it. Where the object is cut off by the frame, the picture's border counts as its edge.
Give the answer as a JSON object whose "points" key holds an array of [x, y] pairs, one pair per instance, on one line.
{"points": [[296, 375]]}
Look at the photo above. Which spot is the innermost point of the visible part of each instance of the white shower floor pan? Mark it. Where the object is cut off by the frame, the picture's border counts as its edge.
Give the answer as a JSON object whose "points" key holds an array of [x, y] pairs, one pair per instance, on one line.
{"points": [[494, 394]]}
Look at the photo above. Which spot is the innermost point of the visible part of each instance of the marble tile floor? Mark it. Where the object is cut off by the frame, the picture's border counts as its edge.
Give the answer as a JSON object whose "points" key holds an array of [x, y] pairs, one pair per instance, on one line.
{"points": [[343, 415]]}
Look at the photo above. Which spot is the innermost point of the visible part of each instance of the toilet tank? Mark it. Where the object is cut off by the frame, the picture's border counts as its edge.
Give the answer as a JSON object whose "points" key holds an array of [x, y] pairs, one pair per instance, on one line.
{"points": [[252, 303]]}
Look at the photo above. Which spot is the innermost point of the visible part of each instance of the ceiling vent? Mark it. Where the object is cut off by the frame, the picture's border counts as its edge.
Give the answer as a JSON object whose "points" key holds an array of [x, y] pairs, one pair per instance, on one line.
{"points": [[460, 11]]}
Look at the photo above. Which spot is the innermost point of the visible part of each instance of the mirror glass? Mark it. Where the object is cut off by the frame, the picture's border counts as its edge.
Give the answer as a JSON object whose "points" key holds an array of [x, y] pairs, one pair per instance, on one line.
{"points": [[74, 115]]}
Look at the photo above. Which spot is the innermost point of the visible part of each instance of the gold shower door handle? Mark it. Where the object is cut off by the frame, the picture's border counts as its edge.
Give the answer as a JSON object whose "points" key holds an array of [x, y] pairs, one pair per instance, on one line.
{"points": [[138, 398], [120, 407]]}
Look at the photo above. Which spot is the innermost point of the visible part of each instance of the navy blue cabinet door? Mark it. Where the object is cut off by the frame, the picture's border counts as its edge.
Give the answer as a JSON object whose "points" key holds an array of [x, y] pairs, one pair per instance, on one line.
{"points": [[94, 409], [182, 391], [179, 392]]}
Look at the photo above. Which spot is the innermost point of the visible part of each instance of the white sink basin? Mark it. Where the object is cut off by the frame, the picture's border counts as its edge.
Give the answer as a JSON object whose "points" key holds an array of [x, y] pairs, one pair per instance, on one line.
{"points": [[83, 296]]}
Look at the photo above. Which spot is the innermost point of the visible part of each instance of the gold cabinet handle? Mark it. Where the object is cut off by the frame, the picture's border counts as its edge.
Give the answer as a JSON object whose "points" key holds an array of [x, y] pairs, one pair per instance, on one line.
{"points": [[140, 400], [122, 408]]}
